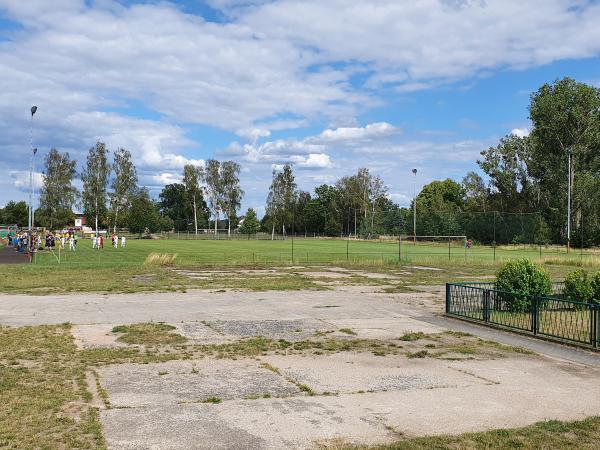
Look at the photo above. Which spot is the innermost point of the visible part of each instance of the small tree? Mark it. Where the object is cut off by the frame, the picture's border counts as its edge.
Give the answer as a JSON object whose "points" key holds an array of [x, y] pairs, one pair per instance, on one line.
{"points": [[251, 224]]}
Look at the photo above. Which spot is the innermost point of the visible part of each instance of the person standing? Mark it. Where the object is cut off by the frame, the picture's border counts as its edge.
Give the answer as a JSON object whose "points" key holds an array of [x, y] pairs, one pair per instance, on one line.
{"points": [[94, 241], [123, 241], [72, 244]]}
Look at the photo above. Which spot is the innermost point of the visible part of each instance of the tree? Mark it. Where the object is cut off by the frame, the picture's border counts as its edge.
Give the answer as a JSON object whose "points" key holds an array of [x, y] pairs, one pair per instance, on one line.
{"points": [[95, 181], [566, 120], [281, 199], [507, 167], [143, 216], [192, 175], [16, 213], [124, 184], [212, 177], [475, 191], [231, 192], [250, 225], [174, 204], [58, 193]]}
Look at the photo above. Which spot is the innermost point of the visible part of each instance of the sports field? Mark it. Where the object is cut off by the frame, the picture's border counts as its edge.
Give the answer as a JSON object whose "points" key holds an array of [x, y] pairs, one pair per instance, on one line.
{"points": [[305, 251]]}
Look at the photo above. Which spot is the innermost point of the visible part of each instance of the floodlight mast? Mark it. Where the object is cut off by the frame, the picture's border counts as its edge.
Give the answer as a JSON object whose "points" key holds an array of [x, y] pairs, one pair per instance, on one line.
{"points": [[31, 166]]}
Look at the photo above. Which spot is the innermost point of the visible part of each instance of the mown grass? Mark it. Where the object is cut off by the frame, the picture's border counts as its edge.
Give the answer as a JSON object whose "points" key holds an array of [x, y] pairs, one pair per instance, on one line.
{"points": [[112, 270], [552, 434]]}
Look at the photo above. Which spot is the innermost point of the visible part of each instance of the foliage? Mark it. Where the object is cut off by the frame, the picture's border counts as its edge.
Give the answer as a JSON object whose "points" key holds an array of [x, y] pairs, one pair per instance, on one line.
{"points": [[251, 225], [232, 193], [143, 215], [124, 185], [15, 213], [522, 276], [95, 182], [578, 286], [282, 198], [192, 205], [58, 193]]}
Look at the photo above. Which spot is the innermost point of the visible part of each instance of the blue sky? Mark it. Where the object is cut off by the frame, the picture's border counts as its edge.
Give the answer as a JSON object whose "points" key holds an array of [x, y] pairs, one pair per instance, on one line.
{"points": [[327, 85]]}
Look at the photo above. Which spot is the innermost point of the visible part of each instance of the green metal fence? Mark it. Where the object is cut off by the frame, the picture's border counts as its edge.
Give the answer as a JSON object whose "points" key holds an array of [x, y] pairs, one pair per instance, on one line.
{"points": [[552, 317]]}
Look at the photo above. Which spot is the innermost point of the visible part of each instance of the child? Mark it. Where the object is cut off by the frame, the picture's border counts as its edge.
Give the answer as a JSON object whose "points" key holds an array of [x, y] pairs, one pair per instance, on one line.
{"points": [[116, 241], [72, 244]]}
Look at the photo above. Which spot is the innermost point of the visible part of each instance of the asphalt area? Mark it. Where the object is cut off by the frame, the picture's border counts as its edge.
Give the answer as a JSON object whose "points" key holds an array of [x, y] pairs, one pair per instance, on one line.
{"points": [[436, 383], [8, 255]]}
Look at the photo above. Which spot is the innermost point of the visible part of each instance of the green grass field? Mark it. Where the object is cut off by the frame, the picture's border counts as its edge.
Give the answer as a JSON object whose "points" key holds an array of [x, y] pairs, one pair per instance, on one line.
{"points": [[126, 270], [244, 252]]}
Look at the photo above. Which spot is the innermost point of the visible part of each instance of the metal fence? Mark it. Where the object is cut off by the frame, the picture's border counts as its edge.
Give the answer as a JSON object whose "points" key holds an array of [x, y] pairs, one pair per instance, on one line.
{"points": [[552, 317]]}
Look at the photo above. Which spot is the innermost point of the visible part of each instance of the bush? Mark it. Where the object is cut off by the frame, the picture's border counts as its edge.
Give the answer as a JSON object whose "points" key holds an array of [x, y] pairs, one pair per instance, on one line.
{"points": [[578, 287], [522, 277]]}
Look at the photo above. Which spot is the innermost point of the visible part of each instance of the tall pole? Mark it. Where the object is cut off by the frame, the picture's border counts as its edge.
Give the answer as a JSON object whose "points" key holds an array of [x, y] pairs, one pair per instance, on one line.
{"points": [[569, 205], [414, 171], [30, 218]]}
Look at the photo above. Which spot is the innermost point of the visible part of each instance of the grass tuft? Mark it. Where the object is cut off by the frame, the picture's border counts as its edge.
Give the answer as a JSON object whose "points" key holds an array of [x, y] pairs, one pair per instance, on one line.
{"points": [[148, 334], [160, 259]]}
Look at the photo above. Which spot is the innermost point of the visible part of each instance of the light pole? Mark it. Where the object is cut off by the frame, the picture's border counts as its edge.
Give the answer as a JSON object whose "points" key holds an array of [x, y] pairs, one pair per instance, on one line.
{"points": [[33, 152], [414, 171]]}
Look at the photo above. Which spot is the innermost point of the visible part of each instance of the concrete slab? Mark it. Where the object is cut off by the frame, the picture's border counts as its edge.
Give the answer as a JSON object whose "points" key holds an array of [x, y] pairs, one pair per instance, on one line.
{"points": [[199, 333], [509, 392], [364, 372], [174, 382], [380, 328], [290, 330], [95, 336]]}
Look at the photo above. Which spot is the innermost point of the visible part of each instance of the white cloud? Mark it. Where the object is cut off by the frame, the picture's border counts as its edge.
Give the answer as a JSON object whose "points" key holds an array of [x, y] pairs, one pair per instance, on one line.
{"points": [[312, 161], [349, 135], [520, 132], [21, 180]]}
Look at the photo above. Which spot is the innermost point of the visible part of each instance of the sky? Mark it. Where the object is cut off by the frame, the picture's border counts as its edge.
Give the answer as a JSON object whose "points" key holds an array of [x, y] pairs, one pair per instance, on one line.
{"points": [[326, 85]]}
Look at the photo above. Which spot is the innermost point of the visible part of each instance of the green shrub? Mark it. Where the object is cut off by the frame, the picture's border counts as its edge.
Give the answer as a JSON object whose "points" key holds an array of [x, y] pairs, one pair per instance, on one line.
{"points": [[596, 288], [578, 287], [523, 277]]}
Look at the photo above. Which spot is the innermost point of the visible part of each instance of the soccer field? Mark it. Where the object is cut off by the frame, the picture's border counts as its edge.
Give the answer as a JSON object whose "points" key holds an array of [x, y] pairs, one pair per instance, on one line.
{"points": [[299, 250]]}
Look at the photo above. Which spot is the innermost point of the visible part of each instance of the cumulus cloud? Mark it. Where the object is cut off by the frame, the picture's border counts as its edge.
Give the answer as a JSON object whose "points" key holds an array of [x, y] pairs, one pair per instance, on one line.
{"points": [[353, 135], [21, 180], [520, 132]]}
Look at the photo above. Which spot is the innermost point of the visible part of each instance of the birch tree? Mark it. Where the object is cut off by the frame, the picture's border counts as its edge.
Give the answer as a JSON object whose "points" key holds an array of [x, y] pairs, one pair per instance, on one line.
{"points": [[95, 182], [124, 184]]}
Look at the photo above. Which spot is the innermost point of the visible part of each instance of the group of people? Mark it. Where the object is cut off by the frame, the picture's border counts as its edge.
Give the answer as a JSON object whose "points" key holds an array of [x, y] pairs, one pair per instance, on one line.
{"points": [[23, 242], [68, 237], [98, 241], [31, 241]]}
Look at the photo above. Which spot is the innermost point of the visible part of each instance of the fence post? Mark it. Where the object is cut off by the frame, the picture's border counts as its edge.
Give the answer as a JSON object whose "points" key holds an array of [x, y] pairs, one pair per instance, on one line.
{"points": [[535, 314], [486, 305], [448, 298], [594, 331], [448, 249]]}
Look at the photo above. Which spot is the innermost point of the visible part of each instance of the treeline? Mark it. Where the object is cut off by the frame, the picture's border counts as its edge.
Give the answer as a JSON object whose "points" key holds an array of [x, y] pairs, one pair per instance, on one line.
{"points": [[522, 197], [525, 195]]}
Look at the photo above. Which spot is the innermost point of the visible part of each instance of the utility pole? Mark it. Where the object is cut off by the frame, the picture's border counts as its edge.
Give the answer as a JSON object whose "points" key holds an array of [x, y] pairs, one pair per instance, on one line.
{"points": [[414, 171], [33, 152]]}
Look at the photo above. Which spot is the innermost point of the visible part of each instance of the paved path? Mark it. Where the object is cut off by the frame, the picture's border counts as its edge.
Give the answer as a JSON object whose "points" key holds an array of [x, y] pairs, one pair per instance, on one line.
{"points": [[8, 255]]}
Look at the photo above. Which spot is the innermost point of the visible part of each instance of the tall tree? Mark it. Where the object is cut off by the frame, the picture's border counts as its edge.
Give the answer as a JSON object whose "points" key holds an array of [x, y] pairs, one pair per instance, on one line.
{"points": [[174, 203], [231, 192], [212, 178], [124, 183], [143, 216], [192, 175], [95, 182], [58, 193], [281, 199]]}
